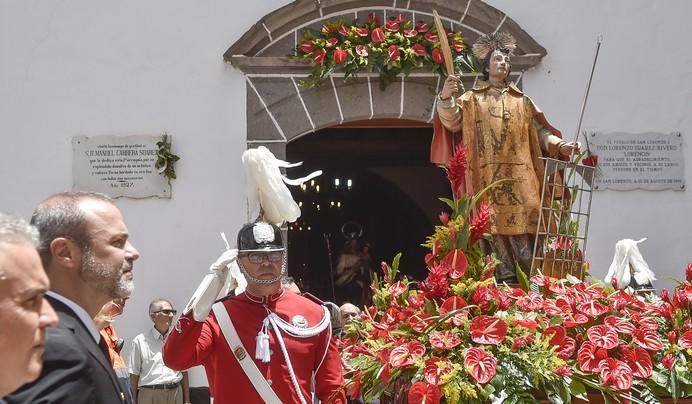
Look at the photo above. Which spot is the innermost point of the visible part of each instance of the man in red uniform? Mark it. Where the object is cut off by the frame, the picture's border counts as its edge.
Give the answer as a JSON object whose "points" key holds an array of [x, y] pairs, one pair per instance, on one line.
{"points": [[284, 336]]}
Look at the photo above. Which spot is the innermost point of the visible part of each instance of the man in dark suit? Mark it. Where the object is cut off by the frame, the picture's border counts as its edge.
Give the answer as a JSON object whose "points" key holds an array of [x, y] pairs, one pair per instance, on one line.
{"points": [[89, 260], [24, 311]]}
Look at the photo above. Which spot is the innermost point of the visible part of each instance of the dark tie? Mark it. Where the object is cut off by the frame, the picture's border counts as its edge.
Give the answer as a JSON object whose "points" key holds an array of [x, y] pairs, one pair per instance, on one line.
{"points": [[104, 348]]}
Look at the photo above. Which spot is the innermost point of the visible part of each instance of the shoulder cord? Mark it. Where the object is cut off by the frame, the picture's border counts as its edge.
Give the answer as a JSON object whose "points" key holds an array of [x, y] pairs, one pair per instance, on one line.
{"points": [[279, 324]]}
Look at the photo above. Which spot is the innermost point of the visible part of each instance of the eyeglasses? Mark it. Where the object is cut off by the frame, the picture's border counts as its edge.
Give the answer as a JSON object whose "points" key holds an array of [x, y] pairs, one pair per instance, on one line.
{"points": [[257, 257], [167, 312]]}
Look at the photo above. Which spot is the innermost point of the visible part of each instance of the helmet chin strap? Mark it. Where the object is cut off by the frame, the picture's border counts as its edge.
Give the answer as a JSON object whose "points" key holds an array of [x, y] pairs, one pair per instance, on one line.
{"points": [[263, 281]]}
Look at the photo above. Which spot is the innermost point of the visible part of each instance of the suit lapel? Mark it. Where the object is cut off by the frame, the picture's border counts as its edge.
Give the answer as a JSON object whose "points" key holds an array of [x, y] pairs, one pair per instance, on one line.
{"points": [[70, 320]]}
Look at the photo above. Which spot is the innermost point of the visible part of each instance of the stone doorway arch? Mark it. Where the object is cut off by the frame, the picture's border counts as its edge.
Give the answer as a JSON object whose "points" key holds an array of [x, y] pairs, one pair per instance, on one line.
{"points": [[278, 111]]}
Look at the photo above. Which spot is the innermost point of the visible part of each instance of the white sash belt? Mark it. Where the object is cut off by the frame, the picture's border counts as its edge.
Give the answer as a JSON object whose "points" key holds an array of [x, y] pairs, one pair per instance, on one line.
{"points": [[241, 354]]}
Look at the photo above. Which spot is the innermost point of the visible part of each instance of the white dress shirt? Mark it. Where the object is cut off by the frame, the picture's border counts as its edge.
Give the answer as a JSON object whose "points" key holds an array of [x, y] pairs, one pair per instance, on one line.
{"points": [[145, 360]]}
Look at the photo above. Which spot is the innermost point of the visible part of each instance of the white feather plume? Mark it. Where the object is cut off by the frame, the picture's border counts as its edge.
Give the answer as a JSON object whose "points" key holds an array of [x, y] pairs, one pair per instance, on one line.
{"points": [[266, 185], [628, 258]]}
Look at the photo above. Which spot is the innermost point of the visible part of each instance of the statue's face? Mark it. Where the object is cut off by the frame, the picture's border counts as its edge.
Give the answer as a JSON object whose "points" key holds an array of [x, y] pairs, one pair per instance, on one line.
{"points": [[499, 65]]}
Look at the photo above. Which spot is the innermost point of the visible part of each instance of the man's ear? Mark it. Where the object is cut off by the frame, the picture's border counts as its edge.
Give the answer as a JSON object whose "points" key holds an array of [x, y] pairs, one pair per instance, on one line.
{"points": [[65, 252]]}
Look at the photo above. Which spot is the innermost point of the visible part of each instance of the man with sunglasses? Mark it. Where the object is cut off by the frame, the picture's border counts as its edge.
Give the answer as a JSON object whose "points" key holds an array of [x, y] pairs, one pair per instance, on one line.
{"points": [[152, 381], [264, 344]]}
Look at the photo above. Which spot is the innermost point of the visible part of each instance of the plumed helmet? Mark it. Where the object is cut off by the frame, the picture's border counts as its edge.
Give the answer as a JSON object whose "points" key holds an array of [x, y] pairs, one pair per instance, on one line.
{"points": [[259, 236]]}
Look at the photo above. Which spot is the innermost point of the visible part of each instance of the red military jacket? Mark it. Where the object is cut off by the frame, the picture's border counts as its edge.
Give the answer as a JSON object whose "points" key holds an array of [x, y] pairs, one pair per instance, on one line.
{"points": [[193, 343]]}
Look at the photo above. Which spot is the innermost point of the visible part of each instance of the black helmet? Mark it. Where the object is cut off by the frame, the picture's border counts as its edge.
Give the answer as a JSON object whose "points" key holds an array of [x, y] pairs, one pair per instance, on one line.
{"points": [[259, 236]]}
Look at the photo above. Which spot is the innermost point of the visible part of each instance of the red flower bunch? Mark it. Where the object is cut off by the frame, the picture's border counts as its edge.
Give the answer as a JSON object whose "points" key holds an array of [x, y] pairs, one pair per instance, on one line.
{"points": [[459, 337], [397, 47]]}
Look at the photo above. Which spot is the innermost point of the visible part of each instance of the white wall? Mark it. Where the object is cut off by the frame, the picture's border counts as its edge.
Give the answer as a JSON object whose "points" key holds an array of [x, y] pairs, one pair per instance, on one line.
{"points": [[117, 68]]}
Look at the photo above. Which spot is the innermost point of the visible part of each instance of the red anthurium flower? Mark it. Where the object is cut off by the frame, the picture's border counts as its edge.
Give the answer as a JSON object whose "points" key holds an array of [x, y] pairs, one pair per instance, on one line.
{"points": [[668, 361], [590, 356], [423, 393], [406, 354], [430, 37], [307, 46], [362, 50], [685, 341], [616, 374], [377, 35], [456, 171], [327, 29], [592, 308], [332, 42], [340, 56], [398, 288], [457, 46], [488, 330], [575, 320], [418, 50], [619, 324], [458, 263], [639, 361], [481, 366], [444, 340], [393, 52], [419, 322], [392, 25], [362, 31], [452, 303], [567, 348], [591, 160], [531, 302], [672, 336], [422, 27], [647, 339], [410, 33], [526, 323], [318, 57], [344, 30], [648, 323], [437, 56], [435, 368], [556, 334], [480, 221], [603, 336]]}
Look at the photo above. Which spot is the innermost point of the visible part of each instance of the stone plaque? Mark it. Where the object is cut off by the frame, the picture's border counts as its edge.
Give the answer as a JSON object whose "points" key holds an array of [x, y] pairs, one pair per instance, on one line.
{"points": [[118, 166], [650, 161]]}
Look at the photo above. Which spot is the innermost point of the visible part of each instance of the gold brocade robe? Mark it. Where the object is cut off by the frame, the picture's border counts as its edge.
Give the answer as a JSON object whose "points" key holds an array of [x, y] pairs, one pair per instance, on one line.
{"points": [[505, 134]]}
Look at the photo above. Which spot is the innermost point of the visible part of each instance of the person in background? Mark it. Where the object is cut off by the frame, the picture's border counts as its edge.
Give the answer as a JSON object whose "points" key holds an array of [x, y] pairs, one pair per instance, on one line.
{"points": [[348, 313], [86, 253], [104, 322], [152, 381], [24, 311]]}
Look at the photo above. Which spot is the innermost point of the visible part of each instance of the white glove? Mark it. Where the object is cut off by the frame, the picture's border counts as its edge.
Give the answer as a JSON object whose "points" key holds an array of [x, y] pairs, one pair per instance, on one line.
{"points": [[224, 261], [208, 291]]}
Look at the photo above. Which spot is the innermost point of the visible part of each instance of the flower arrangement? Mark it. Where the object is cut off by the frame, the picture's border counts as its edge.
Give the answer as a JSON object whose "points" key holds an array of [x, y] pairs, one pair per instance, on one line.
{"points": [[459, 337], [395, 47]]}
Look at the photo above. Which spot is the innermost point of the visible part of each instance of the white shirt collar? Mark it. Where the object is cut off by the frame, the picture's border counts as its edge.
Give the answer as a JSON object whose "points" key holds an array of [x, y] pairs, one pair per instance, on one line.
{"points": [[80, 312]]}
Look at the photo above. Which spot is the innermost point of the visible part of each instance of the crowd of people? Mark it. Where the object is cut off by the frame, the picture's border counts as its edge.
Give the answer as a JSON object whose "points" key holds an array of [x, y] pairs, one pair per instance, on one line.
{"points": [[65, 275], [68, 274]]}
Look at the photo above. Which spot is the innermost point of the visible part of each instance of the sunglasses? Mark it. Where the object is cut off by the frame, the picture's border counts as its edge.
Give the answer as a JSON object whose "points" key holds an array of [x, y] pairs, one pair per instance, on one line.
{"points": [[257, 257], [167, 312]]}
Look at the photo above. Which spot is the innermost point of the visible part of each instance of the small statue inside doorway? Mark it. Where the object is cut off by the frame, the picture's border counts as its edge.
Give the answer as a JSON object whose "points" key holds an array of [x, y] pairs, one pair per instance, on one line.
{"points": [[353, 269]]}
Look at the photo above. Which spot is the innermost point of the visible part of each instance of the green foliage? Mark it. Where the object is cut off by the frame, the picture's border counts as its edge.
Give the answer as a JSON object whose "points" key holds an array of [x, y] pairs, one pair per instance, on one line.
{"points": [[165, 159]]}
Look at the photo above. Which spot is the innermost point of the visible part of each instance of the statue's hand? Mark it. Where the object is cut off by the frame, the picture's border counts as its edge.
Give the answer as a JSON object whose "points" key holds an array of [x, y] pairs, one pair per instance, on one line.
{"points": [[450, 87], [568, 149]]}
